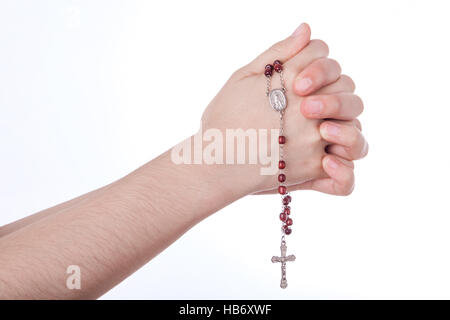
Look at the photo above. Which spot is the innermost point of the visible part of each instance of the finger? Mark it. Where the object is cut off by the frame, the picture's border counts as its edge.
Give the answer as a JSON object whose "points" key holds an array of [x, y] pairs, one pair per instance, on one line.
{"points": [[345, 152], [343, 84], [341, 106], [341, 181], [315, 49], [346, 139], [283, 50], [355, 122], [342, 178], [318, 74], [347, 163], [344, 135], [322, 184], [348, 153]]}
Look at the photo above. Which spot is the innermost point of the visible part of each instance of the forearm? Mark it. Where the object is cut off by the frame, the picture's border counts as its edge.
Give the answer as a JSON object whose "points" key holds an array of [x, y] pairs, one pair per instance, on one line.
{"points": [[16, 225], [111, 233]]}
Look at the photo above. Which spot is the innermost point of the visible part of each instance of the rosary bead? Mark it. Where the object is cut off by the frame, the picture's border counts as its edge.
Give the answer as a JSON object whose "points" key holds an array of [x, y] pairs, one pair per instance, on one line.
{"points": [[289, 222], [281, 139], [281, 178], [281, 164], [286, 200], [268, 70], [283, 216], [282, 190], [287, 210], [277, 65], [287, 231]]}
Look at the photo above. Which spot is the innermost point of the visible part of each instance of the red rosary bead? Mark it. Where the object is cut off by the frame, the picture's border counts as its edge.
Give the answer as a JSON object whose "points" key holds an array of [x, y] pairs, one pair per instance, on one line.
{"points": [[281, 139], [277, 66], [281, 164], [287, 210], [282, 190], [286, 200], [268, 70], [281, 177], [287, 231], [282, 216], [289, 222]]}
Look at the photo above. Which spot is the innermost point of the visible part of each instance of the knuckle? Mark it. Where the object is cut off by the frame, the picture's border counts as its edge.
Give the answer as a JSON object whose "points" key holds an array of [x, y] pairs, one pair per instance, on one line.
{"points": [[349, 184], [359, 103], [354, 137], [335, 65], [278, 47], [365, 149], [323, 66], [334, 104], [357, 124], [239, 73], [348, 82], [316, 71], [321, 46], [348, 191]]}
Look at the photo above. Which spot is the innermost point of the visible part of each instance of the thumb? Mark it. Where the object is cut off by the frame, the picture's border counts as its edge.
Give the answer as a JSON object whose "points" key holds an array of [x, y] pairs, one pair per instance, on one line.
{"points": [[283, 50]]}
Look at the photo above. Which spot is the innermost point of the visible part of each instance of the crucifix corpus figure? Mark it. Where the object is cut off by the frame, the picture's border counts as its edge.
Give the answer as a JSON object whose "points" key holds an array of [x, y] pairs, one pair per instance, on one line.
{"points": [[283, 259]]}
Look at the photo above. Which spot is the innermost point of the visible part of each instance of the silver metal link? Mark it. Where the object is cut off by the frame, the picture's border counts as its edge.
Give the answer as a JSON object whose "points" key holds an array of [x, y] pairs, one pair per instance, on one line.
{"points": [[282, 81], [268, 85]]}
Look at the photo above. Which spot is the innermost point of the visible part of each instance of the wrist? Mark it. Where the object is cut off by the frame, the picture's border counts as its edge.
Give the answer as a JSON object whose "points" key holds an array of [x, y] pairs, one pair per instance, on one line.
{"points": [[194, 190]]}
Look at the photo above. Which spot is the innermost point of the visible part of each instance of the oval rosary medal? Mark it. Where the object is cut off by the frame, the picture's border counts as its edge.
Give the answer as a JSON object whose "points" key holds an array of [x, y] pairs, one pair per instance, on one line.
{"points": [[277, 99]]}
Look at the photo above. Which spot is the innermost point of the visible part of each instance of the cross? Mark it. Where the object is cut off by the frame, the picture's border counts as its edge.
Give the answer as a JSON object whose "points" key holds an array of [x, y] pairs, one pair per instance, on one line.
{"points": [[283, 260]]}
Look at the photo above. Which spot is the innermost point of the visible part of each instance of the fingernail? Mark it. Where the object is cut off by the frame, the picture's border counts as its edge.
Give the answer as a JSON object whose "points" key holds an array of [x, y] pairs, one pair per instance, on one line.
{"points": [[313, 107], [330, 163], [300, 29], [303, 84], [331, 130]]}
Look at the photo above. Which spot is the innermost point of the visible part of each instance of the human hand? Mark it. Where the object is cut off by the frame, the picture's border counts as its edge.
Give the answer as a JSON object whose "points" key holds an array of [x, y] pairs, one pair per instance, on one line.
{"points": [[315, 160], [338, 107]]}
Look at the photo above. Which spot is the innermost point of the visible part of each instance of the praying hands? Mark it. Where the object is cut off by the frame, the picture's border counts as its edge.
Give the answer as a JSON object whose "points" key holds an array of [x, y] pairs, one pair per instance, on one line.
{"points": [[321, 120], [112, 231]]}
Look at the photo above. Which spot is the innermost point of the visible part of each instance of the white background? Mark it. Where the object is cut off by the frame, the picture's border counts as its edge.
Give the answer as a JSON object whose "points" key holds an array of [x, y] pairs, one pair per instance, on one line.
{"points": [[90, 90]]}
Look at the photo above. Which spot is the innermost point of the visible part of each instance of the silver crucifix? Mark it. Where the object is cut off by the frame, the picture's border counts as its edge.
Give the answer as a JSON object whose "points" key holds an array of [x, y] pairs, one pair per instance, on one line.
{"points": [[283, 259]]}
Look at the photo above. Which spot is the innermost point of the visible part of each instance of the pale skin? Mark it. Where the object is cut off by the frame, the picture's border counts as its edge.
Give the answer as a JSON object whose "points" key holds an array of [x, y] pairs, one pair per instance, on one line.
{"points": [[112, 231]]}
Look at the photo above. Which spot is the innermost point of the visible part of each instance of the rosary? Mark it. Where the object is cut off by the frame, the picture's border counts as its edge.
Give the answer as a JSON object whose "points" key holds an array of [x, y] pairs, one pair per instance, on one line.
{"points": [[278, 101]]}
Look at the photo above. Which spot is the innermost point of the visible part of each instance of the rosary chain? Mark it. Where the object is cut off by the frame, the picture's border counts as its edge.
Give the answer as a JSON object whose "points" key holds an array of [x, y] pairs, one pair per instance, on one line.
{"points": [[281, 171], [282, 81], [269, 81], [268, 85]]}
